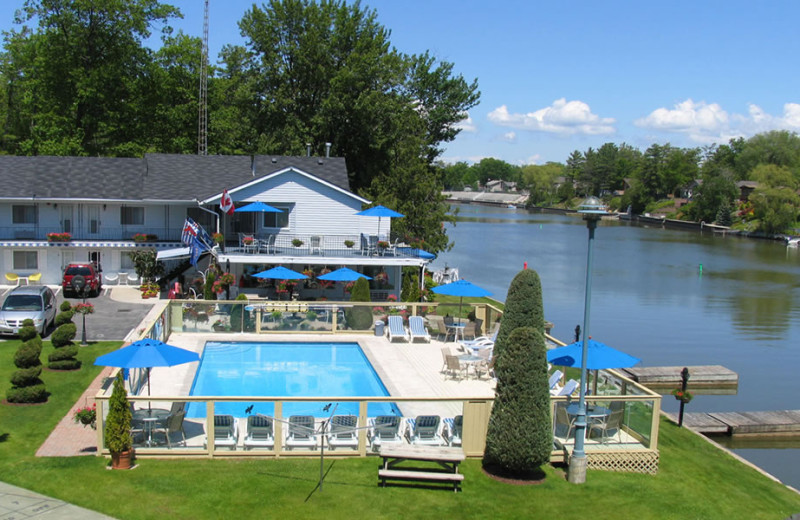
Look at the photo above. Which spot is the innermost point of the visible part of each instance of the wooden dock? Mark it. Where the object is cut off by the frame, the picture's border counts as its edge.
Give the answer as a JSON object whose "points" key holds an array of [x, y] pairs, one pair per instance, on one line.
{"points": [[699, 376], [778, 422]]}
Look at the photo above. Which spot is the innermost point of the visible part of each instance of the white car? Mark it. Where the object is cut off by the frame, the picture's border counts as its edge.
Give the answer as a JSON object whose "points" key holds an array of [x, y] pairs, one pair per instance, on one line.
{"points": [[35, 302]]}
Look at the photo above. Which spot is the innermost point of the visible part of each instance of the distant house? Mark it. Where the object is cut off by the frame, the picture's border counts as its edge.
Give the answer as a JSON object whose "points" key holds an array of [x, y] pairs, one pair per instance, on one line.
{"points": [[745, 189], [500, 186], [689, 189], [106, 205]]}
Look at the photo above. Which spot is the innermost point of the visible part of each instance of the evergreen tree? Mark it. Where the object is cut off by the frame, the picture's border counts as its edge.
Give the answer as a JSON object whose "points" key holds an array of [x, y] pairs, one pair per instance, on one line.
{"points": [[523, 307], [358, 317], [63, 357], [520, 438], [27, 387], [118, 423], [724, 216]]}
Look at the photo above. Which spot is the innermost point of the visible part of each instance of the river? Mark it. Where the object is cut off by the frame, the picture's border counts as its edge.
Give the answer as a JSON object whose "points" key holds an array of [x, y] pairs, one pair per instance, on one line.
{"points": [[668, 297]]}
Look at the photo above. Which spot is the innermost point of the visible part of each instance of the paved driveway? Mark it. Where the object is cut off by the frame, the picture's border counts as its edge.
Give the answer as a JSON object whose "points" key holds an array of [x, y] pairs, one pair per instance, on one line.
{"points": [[116, 312]]}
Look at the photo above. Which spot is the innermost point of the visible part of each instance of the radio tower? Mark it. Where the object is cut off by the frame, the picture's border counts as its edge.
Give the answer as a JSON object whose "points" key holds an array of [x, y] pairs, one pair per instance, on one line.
{"points": [[202, 120]]}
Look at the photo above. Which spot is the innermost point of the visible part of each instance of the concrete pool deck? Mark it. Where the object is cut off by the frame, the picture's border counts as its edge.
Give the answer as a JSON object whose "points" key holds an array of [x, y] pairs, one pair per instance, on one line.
{"points": [[406, 369]]}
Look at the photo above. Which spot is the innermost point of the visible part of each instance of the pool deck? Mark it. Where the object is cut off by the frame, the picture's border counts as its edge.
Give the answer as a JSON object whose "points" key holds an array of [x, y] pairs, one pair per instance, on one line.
{"points": [[406, 369]]}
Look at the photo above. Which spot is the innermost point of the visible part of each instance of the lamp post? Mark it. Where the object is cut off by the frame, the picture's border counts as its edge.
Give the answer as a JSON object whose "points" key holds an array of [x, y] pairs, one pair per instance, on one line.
{"points": [[592, 210]]}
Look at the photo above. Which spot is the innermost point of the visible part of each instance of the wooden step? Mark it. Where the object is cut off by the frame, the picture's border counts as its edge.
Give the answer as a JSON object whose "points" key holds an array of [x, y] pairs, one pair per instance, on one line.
{"points": [[779, 422]]}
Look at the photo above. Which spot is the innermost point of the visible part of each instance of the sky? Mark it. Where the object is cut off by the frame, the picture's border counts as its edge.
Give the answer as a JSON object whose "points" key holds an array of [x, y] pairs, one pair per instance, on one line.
{"points": [[556, 77]]}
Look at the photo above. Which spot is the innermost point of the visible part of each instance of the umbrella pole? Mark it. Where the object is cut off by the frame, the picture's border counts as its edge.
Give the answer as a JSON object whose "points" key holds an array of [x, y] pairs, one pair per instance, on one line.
{"points": [[148, 389]]}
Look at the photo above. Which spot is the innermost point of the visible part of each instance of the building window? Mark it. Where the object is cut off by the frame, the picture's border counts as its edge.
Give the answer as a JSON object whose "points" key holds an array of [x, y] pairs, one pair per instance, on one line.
{"points": [[132, 216], [126, 261], [24, 214], [26, 260], [277, 220]]}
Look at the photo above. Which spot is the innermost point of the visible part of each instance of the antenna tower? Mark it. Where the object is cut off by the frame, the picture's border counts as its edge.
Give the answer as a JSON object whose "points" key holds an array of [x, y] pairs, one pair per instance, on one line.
{"points": [[202, 120]]}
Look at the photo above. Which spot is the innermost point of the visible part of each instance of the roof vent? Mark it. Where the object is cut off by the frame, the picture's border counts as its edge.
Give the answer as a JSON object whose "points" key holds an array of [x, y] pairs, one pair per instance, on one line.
{"points": [[274, 160], [327, 149], [308, 149], [319, 161]]}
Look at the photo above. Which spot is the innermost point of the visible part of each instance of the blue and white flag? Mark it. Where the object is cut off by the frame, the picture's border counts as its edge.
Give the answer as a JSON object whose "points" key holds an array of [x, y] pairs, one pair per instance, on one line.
{"points": [[193, 231]]}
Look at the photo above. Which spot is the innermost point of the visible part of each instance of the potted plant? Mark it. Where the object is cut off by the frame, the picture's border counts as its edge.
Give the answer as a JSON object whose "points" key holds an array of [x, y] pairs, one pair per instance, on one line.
{"points": [[118, 426], [87, 416], [383, 244], [683, 396], [59, 237], [248, 241], [349, 243], [83, 308], [297, 242], [218, 238]]}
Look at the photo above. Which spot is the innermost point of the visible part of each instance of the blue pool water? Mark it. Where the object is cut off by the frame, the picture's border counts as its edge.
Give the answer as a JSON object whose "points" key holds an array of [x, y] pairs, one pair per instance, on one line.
{"points": [[286, 369]]}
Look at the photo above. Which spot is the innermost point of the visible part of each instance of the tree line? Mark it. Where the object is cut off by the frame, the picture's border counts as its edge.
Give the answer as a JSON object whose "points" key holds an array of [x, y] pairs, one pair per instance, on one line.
{"points": [[646, 181], [76, 78]]}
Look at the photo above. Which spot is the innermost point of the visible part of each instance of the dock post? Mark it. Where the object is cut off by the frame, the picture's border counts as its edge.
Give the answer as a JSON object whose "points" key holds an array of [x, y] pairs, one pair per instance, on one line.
{"points": [[684, 382]]}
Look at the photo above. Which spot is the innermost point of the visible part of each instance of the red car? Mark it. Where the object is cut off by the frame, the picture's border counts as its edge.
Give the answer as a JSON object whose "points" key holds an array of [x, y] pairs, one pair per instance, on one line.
{"points": [[92, 279]]}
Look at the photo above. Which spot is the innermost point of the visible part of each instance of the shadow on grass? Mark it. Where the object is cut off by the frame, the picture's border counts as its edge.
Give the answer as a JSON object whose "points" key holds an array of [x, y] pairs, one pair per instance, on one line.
{"points": [[4, 437]]}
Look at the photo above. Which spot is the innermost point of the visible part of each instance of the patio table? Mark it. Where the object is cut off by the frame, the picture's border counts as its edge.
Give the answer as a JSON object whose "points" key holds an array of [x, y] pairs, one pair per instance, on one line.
{"points": [[471, 361], [150, 418], [594, 413]]}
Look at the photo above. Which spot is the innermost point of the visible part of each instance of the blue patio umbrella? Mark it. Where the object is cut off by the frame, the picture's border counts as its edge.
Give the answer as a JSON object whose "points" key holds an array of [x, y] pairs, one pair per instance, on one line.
{"points": [[258, 206], [598, 356], [380, 211], [280, 273], [147, 353], [345, 274], [461, 288]]}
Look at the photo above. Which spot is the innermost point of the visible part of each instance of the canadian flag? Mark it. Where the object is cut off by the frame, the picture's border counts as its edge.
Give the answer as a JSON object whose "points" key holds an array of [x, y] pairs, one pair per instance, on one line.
{"points": [[226, 203]]}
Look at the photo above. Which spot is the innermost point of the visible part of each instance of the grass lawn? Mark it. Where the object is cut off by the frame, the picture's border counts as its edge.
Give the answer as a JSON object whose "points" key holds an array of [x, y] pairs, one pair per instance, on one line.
{"points": [[449, 304], [695, 479]]}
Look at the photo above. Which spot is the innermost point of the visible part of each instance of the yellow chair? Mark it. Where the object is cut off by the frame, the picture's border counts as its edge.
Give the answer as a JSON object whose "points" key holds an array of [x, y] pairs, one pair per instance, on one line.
{"points": [[12, 277], [35, 277]]}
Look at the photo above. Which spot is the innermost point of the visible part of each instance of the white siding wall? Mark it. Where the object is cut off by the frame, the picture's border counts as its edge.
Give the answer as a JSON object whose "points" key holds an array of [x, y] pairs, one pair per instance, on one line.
{"points": [[318, 209]]}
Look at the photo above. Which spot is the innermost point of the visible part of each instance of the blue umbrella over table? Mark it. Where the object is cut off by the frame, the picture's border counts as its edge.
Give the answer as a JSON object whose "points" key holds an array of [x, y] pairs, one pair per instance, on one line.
{"points": [[598, 356], [147, 353], [258, 206], [380, 212], [461, 288], [345, 274]]}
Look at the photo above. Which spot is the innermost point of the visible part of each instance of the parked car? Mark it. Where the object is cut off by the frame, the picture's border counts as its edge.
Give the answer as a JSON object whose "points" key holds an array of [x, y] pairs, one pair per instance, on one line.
{"points": [[92, 279], [35, 302]]}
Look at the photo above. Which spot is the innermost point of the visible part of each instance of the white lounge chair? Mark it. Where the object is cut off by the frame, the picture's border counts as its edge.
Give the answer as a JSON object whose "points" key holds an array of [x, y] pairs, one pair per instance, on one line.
{"points": [[260, 433], [481, 342], [226, 432], [343, 432], [397, 329], [568, 388], [386, 429], [454, 426], [426, 430], [554, 380], [417, 327], [301, 433]]}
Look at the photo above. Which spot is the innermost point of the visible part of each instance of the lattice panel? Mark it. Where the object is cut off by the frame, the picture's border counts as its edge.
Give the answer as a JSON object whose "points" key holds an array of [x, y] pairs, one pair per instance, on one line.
{"points": [[626, 461]]}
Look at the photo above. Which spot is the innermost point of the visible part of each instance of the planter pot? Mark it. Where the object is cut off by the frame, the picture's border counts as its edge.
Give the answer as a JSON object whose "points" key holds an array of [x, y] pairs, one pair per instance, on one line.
{"points": [[123, 460]]}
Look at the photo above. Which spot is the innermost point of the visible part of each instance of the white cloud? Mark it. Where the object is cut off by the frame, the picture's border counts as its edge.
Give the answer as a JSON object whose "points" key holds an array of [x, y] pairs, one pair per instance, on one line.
{"points": [[510, 137], [709, 123], [562, 117], [467, 124]]}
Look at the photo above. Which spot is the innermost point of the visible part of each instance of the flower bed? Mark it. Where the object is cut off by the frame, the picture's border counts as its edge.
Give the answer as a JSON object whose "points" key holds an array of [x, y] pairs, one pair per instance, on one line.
{"points": [[142, 237], [59, 237]]}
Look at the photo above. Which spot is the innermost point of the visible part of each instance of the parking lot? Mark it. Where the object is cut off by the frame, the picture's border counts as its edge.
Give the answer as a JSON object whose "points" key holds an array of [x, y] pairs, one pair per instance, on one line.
{"points": [[117, 310]]}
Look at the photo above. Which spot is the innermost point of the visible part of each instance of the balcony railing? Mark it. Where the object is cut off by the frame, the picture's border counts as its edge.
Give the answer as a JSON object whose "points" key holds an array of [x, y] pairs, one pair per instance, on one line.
{"points": [[40, 233]]}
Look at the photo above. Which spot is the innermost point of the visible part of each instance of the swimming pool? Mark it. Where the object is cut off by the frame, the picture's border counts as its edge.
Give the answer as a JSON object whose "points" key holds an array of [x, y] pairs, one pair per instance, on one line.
{"points": [[286, 369]]}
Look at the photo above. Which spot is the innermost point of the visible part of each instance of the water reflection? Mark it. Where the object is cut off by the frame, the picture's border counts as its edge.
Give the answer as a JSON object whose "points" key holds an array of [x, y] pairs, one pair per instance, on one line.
{"points": [[650, 298]]}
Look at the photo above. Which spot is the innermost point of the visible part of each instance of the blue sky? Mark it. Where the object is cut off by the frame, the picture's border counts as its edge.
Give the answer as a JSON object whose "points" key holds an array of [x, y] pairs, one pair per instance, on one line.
{"points": [[569, 75]]}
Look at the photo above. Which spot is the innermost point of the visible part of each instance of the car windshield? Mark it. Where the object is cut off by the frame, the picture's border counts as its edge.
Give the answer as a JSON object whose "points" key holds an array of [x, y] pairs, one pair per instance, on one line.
{"points": [[83, 271], [23, 302]]}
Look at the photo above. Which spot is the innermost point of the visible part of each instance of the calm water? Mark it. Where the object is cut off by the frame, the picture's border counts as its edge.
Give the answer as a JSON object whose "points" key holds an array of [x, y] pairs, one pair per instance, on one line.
{"points": [[650, 299], [283, 369]]}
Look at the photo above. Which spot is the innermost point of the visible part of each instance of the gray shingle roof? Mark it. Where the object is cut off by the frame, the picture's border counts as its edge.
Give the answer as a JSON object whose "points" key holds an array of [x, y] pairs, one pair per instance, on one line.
{"points": [[157, 176]]}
